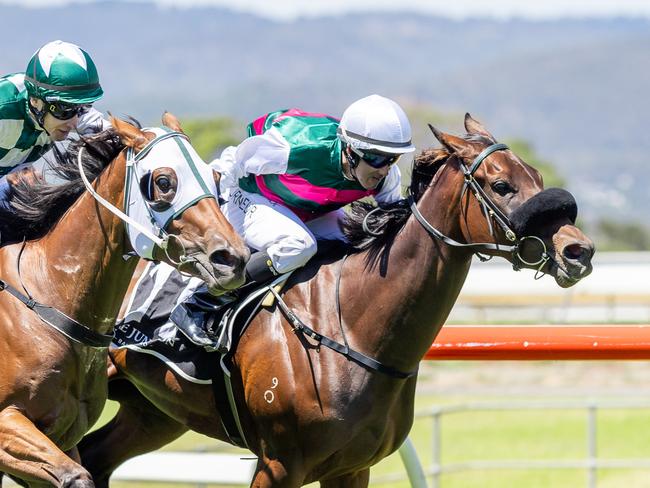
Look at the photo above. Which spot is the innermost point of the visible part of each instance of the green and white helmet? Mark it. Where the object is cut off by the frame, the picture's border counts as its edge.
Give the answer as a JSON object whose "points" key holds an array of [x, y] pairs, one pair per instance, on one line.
{"points": [[63, 72]]}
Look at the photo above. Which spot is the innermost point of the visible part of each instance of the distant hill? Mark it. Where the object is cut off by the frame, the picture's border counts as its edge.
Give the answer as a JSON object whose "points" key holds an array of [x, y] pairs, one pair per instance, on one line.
{"points": [[577, 89]]}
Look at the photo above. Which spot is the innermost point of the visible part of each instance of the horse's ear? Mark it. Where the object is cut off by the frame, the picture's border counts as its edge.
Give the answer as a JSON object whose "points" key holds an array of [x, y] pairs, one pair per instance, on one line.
{"points": [[130, 135], [170, 120], [473, 126], [453, 144]]}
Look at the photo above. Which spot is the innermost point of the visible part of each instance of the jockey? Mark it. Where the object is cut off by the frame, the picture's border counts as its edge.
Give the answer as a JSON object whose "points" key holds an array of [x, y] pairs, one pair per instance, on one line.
{"points": [[286, 183], [44, 105]]}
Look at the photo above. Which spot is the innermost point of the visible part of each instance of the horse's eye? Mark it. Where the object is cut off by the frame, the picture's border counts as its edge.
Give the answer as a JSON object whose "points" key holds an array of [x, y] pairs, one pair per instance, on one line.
{"points": [[502, 188], [163, 183]]}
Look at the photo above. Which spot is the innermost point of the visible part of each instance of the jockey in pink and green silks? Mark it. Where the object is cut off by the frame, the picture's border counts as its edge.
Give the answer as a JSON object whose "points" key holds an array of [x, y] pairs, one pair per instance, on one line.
{"points": [[287, 182]]}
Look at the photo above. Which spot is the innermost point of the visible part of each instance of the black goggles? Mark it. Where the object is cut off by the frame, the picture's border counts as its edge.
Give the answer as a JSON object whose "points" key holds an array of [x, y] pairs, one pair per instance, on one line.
{"points": [[376, 159], [65, 111]]}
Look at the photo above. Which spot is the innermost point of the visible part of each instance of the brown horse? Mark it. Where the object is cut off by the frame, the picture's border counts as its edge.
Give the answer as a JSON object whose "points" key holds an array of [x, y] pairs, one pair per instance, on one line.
{"points": [[310, 413], [52, 380]]}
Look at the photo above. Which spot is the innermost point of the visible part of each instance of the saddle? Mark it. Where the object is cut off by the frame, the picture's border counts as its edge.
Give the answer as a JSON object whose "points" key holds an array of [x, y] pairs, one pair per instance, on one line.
{"points": [[204, 318], [164, 299]]}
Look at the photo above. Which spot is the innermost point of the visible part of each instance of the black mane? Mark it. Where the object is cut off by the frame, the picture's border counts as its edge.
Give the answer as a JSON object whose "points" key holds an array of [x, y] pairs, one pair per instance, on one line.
{"points": [[38, 205], [388, 221]]}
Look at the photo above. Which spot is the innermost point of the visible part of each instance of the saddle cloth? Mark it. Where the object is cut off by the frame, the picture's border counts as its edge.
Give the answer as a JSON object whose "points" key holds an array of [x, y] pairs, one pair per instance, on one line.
{"points": [[163, 297], [146, 326]]}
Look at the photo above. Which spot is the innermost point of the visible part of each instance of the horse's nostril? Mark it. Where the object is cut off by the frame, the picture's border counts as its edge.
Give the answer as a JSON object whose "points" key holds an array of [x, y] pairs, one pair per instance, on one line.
{"points": [[223, 257], [575, 252]]}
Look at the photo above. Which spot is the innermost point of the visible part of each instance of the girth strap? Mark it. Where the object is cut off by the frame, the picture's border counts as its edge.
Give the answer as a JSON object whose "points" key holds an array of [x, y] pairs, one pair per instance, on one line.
{"points": [[60, 321], [360, 358]]}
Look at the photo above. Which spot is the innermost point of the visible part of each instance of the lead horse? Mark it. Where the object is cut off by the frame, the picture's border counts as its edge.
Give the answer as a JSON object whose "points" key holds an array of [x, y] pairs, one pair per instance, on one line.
{"points": [[312, 414], [53, 359]]}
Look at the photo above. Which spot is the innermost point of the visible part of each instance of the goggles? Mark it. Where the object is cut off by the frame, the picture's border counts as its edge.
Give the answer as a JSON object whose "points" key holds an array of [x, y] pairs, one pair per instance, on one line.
{"points": [[376, 159], [65, 111]]}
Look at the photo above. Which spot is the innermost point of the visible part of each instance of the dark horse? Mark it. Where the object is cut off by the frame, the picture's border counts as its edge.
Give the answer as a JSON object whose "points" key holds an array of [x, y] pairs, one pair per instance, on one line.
{"points": [[52, 376], [329, 418]]}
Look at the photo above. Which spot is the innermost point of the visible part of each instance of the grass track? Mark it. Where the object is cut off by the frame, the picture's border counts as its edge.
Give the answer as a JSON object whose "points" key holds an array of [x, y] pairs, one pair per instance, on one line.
{"points": [[510, 435]]}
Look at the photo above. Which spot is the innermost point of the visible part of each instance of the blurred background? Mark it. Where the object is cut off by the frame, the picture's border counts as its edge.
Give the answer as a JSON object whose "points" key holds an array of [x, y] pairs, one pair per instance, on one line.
{"points": [[564, 83]]}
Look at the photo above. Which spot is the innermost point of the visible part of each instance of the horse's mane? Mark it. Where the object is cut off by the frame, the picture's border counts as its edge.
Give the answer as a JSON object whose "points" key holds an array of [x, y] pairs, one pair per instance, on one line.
{"points": [[390, 220], [38, 205]]}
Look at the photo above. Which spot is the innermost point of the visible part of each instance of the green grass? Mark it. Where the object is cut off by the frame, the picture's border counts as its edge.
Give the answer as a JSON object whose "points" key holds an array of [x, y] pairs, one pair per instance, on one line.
{"points": [[499, 436]]}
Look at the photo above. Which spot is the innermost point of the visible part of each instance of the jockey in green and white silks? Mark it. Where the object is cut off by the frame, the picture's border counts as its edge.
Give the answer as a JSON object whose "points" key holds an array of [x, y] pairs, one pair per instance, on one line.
{"points": [[287, 182], [49, 102]]}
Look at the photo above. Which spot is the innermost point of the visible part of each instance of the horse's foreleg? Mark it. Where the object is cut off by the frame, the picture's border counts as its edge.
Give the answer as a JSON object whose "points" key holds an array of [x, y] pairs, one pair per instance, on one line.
{"points": [[137, 428], [360, 479], [25, 452]]}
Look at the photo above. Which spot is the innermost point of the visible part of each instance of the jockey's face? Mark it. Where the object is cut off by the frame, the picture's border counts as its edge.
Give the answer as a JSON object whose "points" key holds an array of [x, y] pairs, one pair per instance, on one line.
{"points": [[370, 176], [57, 129]]}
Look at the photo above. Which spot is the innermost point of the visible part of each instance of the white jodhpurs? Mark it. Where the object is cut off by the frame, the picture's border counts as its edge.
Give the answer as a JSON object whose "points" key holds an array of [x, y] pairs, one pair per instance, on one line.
{"points": [[271, 227]]}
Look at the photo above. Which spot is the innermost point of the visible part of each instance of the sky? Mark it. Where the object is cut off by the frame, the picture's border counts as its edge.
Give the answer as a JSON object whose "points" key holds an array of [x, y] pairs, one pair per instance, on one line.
{"points": [[290, 9]]}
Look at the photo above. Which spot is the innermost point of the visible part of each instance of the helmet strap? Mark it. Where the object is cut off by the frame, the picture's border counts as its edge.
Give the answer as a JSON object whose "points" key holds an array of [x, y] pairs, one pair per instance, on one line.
{"points": [[39, 115], [352, 164]]}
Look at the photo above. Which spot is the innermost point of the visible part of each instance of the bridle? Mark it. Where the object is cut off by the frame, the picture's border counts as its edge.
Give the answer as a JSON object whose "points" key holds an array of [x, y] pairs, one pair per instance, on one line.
{"points": [[66, 325], [491, 212], [161, 238]]}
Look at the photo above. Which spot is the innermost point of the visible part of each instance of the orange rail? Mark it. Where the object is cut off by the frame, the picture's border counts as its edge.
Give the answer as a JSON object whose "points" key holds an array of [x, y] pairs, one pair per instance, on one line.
{"points": [[555, 342]]}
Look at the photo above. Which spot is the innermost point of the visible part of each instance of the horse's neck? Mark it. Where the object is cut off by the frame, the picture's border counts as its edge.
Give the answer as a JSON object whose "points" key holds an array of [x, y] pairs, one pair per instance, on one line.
{"points": [[421, 280], [82, 260]]}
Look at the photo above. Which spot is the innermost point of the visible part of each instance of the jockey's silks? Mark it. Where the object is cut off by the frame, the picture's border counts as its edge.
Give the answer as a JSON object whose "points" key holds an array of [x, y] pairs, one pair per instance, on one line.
{"points": [[313, 183]]}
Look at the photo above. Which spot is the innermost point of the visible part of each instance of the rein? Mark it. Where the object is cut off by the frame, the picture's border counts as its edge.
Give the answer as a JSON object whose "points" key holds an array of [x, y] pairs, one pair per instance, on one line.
{"points": [[68, 326]]}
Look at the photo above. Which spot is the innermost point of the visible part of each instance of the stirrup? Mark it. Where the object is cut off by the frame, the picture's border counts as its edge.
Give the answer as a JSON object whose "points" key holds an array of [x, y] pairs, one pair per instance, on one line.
{"points": [[197, 323]]}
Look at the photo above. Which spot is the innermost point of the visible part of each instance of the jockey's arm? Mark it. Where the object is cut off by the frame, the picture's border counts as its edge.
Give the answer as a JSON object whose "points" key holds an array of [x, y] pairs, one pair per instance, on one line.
{"points": [[260, 155]]}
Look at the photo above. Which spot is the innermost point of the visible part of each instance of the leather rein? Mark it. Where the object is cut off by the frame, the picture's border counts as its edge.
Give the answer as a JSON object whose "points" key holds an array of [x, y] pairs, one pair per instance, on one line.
{"points": [[56, 319]]}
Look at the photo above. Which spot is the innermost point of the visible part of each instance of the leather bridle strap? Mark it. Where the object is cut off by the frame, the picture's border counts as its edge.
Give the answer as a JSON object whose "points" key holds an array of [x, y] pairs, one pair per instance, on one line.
{"points": [[60, 321], [490, 210], [476, 247]]}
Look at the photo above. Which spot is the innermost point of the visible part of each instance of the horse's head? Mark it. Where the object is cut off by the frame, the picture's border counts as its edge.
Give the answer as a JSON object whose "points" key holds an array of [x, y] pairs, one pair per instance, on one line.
{"points": [[172, 197], [504, 202]]}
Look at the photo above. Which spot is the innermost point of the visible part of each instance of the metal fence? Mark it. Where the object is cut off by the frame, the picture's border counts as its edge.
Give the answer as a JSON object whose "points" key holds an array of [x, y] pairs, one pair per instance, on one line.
{"points": [[591, 463]]}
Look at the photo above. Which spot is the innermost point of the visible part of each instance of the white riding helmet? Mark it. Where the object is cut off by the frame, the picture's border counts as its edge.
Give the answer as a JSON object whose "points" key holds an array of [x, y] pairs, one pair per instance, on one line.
{"points": [[378, 123]]}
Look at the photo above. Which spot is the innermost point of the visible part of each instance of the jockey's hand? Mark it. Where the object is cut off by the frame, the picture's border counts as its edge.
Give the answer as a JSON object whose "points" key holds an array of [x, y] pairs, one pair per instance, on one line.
{"points": [[217, 177], [27, 174]]}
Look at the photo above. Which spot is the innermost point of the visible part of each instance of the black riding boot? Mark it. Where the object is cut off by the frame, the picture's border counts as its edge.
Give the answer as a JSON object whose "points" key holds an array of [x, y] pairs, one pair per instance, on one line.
{"points": [[196, 317]]}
